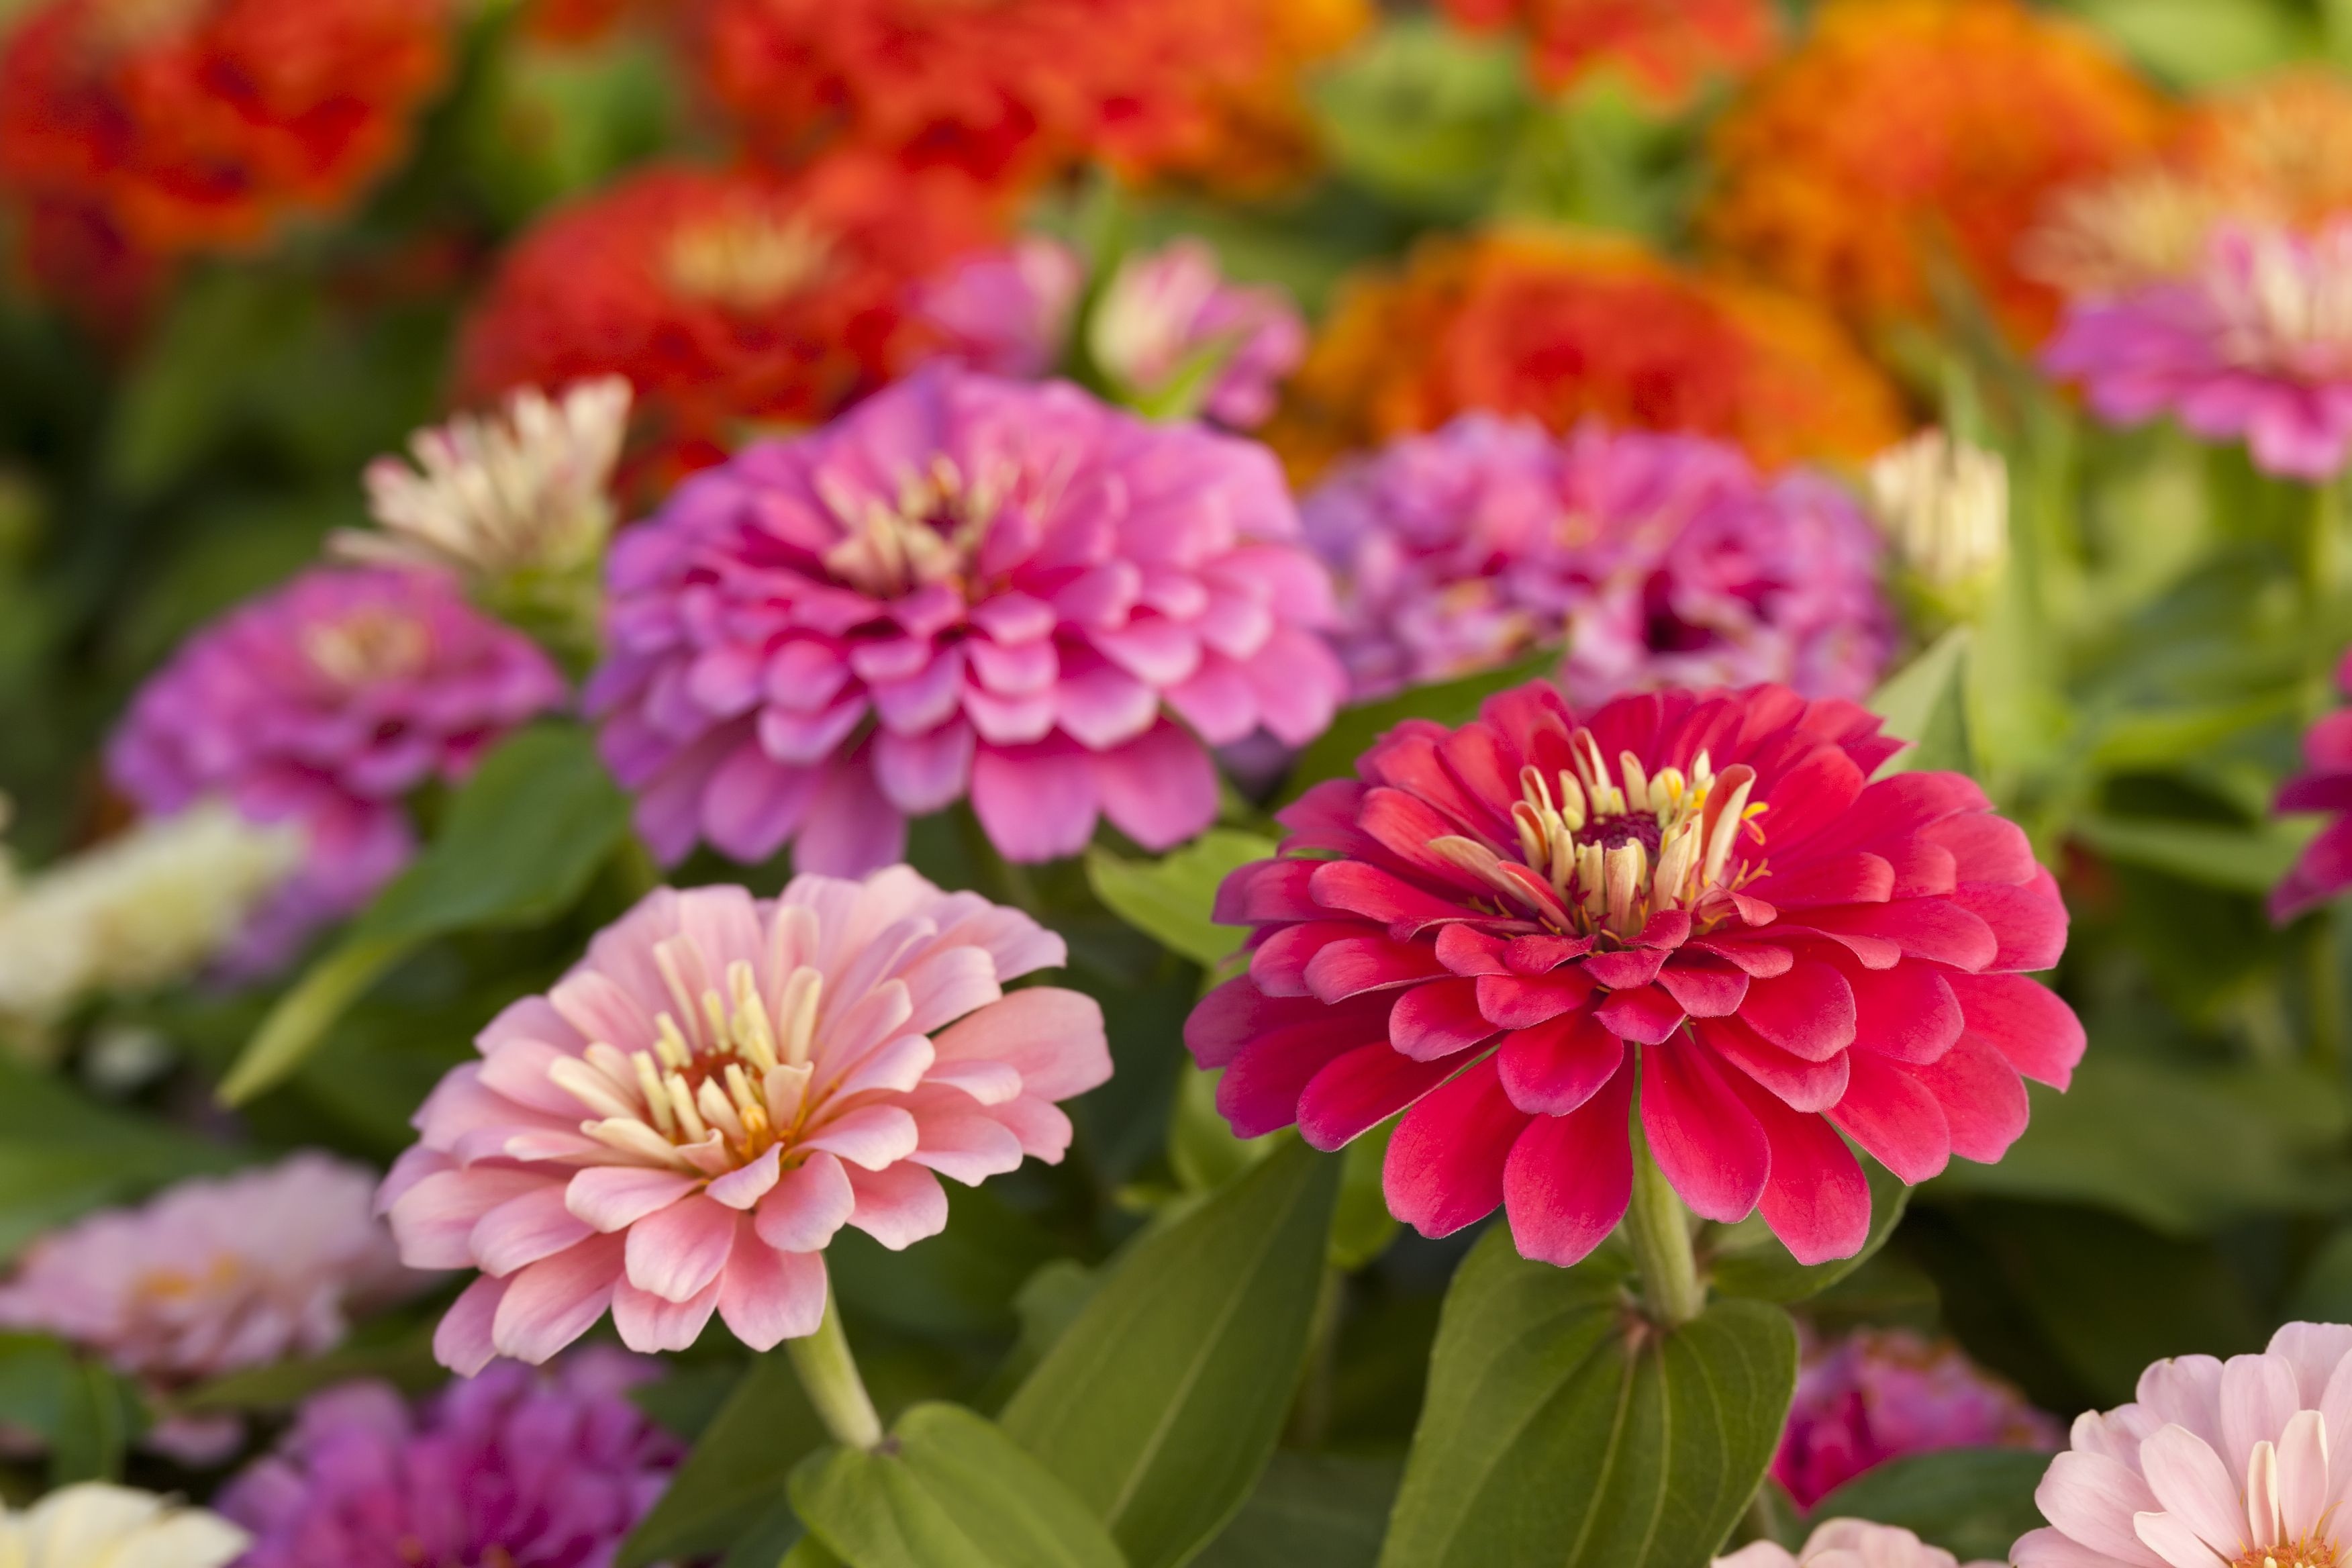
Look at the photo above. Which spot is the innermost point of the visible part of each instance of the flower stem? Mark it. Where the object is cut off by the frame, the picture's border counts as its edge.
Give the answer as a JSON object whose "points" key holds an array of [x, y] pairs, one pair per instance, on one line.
{"points": [[829, 1373], [1660, 1230]]}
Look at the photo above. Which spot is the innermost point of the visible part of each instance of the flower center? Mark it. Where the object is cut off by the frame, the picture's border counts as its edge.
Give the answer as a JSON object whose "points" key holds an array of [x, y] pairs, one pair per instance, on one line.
{"points": [[2289, 309], [2318, 1554], [928, 534], [748, 261], [369, 645]]}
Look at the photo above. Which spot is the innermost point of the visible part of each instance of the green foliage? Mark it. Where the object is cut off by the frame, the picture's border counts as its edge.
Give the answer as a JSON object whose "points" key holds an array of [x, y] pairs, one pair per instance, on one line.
{"points": [[735, 1474], [1746, 1259], [1169, 899], [1329, 1510], [1972, 1502], [83, 1414]]}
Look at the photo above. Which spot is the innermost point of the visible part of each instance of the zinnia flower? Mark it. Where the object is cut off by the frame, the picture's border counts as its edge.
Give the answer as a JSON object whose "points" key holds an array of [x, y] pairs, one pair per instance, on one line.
{"points": [[514, 1468], [94, 1525], [1955, 121], [1500, 930], [2214, 1462], [963, 585], [1944, 505], [681, 1124], [199, 124], [1848, 1543], [1667, 47], [1879, 1394], [1006, 311], [2325, 866], [323, 704], [1563, 329], [2257, 346], [1166, 317], [1659, 560], [726, 299]]}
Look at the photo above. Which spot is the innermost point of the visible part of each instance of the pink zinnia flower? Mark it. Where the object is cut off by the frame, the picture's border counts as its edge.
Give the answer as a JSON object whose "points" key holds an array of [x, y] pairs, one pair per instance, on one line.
{"points": [[323, 703], [964, 584], [2325, 868], [515, 1467], [1166, 317], [1880, 1393], [2216, 1463], [2256, 346], [682, 1123], [1848, 1543], [1657, 560], [1006, 311], [1499, 930]]}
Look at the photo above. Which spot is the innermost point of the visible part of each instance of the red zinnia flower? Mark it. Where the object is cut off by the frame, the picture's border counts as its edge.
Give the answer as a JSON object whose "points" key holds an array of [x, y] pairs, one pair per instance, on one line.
{"points": [[1666, 47], [1507, 927]]}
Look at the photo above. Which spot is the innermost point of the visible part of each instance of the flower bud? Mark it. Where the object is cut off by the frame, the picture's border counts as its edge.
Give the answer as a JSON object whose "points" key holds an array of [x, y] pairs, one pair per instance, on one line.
{"points": [[1944, 505]]}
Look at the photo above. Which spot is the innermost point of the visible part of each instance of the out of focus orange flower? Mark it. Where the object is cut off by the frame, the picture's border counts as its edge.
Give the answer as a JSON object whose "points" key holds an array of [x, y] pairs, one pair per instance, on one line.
{"points": [[185, 125], [1666, 47], [1903, 125], [1565, 328], [726, 298]]}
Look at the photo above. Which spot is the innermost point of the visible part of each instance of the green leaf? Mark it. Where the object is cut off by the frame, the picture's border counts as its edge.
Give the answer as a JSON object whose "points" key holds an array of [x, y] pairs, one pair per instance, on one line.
{"points": [[62, 1155], [1329, 1510], [1972, 1502], [1561, 1429], [2203, 43], [78, 1408], [950, 1491], [2239, 859], [1926, 702], [1426, 115], [522, 840], [1169, 899], [735, 1474], [1160, 1403], [1452, 703], [1747, 1260]]}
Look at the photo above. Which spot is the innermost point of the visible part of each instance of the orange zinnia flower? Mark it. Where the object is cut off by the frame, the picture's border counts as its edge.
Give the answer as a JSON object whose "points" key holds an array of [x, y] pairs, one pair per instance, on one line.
{"points": [[1564, 329], [1904, 126], [1666, 47]]}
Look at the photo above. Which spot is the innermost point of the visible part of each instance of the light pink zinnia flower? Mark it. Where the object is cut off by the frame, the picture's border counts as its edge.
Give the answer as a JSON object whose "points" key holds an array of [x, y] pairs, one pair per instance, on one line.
{"points": [[1167, 314], [963, 585], [2216, 1463], [684, 1121], [1848, 1543], [1006, 311], [2256, 346]]}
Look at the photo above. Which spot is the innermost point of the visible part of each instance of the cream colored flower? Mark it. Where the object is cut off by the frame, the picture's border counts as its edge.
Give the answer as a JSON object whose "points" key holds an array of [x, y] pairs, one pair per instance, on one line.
{"points": [[94, 1525], [1944, 505]]}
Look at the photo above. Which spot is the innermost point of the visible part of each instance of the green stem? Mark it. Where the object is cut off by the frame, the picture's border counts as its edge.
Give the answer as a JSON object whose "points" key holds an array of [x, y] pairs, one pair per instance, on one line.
{"points": [[1660, 1230], [829, 1374]]}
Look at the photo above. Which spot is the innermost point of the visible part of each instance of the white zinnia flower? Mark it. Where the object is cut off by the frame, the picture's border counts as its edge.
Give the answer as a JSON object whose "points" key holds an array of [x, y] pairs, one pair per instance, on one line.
{"points": [[1944, 505], [93, 1525]]}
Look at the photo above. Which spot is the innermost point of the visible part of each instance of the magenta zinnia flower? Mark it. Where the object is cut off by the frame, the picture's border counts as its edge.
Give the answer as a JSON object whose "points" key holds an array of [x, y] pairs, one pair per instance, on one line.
{"points": [[753, 1076], [1499, 930], [964, 584], [323, 703], [1170, 327], [1006, 312], [2325, 866], [514, 1468], [2215, 1463], [2256, 346], [1657, 560], [1880, 1393]]}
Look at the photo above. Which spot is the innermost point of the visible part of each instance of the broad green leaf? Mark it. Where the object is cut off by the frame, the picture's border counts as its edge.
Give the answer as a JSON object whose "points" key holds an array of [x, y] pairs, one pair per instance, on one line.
{"points": [[1561, 1429], [1972, 1502], [1926, 702], [1452, 703], [1329, 1510], [959, 1284], [735, 1474], [522, 840], [2243, 860], [1169, 899], [1160, 1403], [1747, 1259], [78, 1409], [950, 1491], [1426, 115]]}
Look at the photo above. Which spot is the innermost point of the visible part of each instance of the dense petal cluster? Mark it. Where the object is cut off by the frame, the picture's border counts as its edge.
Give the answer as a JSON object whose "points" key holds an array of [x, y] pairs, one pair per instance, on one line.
{"points": [[1956, 121], [1848, 1543], [2215, 1462], [2325, 868], [1879, 1394], [682, 1123], [197, 124], [1502, 930], [1658, 560], [964, 585], [323, 704], [1667, 48], [727, 299], [1564, 329], [513, 1468], [2254, 346], [95, 1525], [1168, 320]]}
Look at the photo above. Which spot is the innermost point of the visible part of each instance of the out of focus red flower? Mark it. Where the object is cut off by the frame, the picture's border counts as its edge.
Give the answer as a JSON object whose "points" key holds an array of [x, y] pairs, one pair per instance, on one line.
{"points": [[199, 124], [1666, 47], [727, 297], [1564, 328], [1905, 125]]}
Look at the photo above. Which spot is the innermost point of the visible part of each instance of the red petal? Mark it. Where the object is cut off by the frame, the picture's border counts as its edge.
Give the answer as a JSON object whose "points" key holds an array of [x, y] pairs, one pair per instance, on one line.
{"points": [[1437, 1020], [1404, 825], [1356, 964], [1554, 1068], [1445, 1167], [2029, 1024], [1667, 929], [1650, 1016], [1907, 1012], [1809, 797], [1361, 889], [1485, 768], [1324, 819], [1811, 1087], [1467, 951], [1816, 1198], [2029, 922], [1705, 1141], [1236, 1012], [1890, 1113], [1262, 1081], [1923, 869], [1983, 1099], [1856, 878], [1761, 959], [1569, 1178], [1542, 954], [1988, 848], [1266, 891], [1359, 1090], [1279, 963], [1935, 929], [1809, 1011], [1626, 968], [1707, 987], [1513, 1002]]}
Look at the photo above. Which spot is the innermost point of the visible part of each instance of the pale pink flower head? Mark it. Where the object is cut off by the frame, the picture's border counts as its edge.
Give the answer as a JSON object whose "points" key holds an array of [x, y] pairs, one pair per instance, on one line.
{"points": [[1848, 1543], [1879, 1394], [965, 586], [2325, 868], [1169, 326], [2255, 346], [682, 1123], [215, 1273], [1006, 311], [2239, 1463]]}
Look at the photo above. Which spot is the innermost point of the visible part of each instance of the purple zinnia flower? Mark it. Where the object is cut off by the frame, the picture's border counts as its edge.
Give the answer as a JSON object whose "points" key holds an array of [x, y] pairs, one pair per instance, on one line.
{"points": [[964, 585], [323, 703], [517, 1467], [2255, 346], [1658, 560], [1170, 330], [1006, 311]]}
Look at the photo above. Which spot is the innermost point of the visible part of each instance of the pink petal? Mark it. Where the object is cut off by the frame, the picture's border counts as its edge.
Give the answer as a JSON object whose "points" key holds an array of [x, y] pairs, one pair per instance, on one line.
{"points": [[1816, 1198], [1983, 1100], [525, 1229], [2093, 1498], [2024, 1021], [749, 1183], [1360, 1089], [900, 1205], [2189, 1481], [614, 1197], [677, 1252], [1809, 1011], [971, 1147], [1908, 1012], [434, 1220], [462, 1341], [1160, 789], [1053, 1037], [1648, 1016], [649, 1324], [1569, 1178], [873, 1136], [767, 1297], [552, 1303], [1553, 1069], [801, 1211], [2259, 1396], [1036, 803], [1891, 1114]]}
